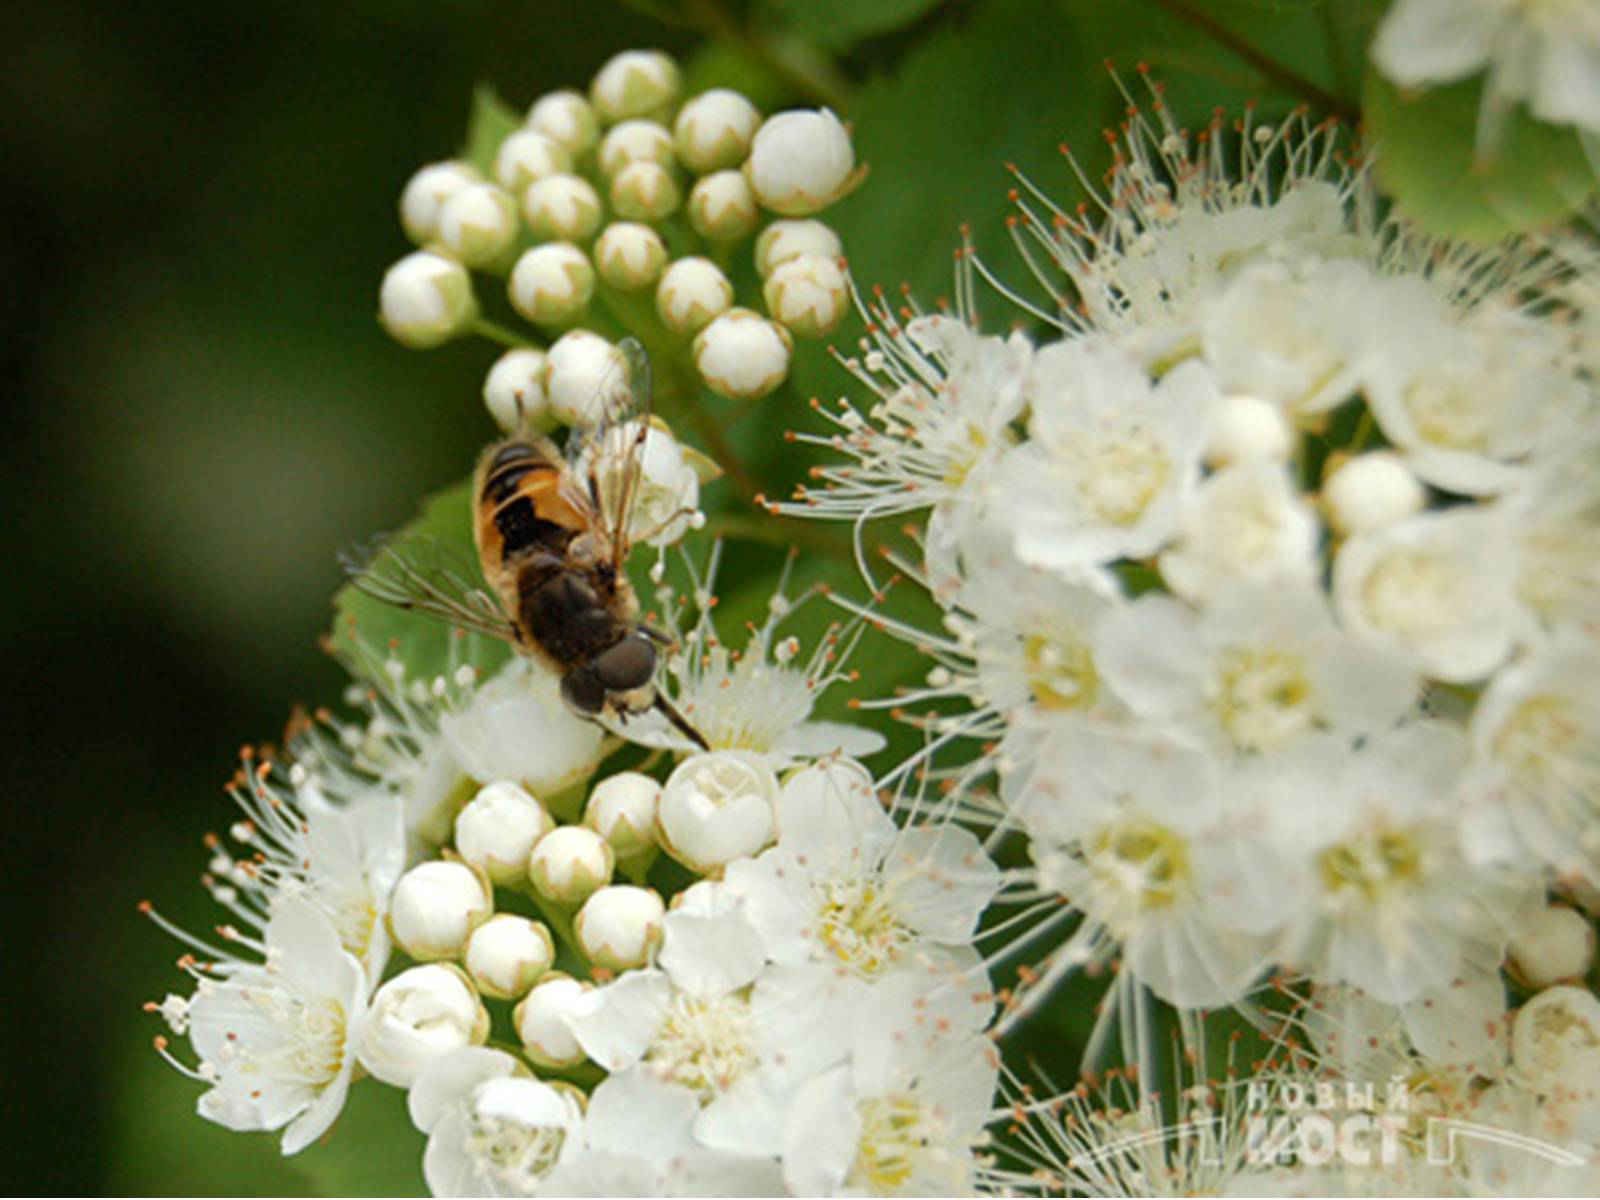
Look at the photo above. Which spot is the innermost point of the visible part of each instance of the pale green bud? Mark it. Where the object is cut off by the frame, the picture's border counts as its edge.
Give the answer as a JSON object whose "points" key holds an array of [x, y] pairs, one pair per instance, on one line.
{"points": [[807, 295], [514, 393], [426, 299], [723, 208], [619, 927], [477, 224], [644, 191], [527, 156], [507, 954], [636, 141], [742, 355], [801, 162], [570, 863], [498, 827], [783, 240], [552, 284], [622, 810], [581, 364], [436, 906], [567, 118], [542, 1024], [563, 208], [635, 83], [425, 194], [629, 256], [692, 291], [714, 130]]}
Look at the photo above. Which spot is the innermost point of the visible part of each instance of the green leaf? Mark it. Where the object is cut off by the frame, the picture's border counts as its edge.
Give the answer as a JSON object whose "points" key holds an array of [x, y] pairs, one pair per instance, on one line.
{"points": [[1427, 153], [492, 119], [840, 24], [366, 629]]}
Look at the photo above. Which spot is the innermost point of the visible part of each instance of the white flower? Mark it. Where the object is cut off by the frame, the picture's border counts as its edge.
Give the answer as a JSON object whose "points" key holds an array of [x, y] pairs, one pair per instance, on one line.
{"points": [[1245, 523], [1248, 429], [497, 830], [1435, 587], [800, 162], [1554, 515], [517, 728], [426, 299], [1112, 460], [808, 294], [1555, 1049], [514, 389], [1545, 54], [635, 141], [425, 194], [1253, 671], [570, 864], [552, 283], [567, 119], [692, 291], [436, 905], [722, 207], [506, 955], [492, 1131], [741, 355], [1551, 943], [420, 1015], [276, 1040], [716, 807], [1370, 491], [635, 83], [527, 156], [629, 256], [582, 366], [644, 191], [561, 208], [714, 130], [782, 240], [620, 926], [542, 1024], [716, 1022], [622, 809], [906, 1116], [664, 498], [477, 223]]}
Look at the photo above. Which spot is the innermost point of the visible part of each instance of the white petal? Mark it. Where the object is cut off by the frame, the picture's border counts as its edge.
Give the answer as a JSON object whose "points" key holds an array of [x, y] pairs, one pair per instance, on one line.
{"points": [[615, 1024], [941, 881], [448, 1081], [633, 1112], [822, 1136], [710, 956]]}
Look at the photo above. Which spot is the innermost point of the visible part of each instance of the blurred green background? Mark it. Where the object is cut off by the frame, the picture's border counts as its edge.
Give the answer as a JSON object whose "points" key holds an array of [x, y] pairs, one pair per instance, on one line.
{"points": [[201, 410]]}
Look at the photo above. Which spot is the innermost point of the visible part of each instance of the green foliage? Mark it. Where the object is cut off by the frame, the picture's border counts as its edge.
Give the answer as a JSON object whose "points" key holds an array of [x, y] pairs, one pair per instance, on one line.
{"points": [[1429, 158], [840, 24], [349, 1161], [492, 119]]}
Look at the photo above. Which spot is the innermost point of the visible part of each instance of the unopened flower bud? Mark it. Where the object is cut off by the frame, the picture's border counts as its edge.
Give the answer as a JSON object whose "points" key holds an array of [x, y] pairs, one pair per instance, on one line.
{"points": [[636, 141], [716, 807], [800, 162], [570, 863], [629, 256], [567, 119], [620, 926], [507, 954], [514, 389], [527, 156], [692, 291], [1555, 1041], [1551, 944], [635, 83], [1248, 429], [419, 1016], [581, 365], [742, 355], [644, 191], [435, 906], [426, 299], [541, 1020], [552, 284], [723, 208], [783, 240], [622, 809], [497, 829], [1370, 491], [807, 295], [477, 224], [563, 208], [425, 194], [714, 130]]}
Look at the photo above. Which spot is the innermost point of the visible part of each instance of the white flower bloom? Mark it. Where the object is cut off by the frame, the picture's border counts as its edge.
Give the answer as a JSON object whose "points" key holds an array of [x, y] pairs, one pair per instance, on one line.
{"points": [[426, 299], [1245, 523], [497, 830], [570, 864], [1370, 491], [1112, 461], [542, 1024], [276, 1040], [552, 283], [716, 1022], [436, 905], [692, 291], [801, 162], [561, 208], [492, 1130], [1253, 671], [717, 807], [1248, 429], [518, 728], [507, 954], [665, 497], [425, 194], [527, 156], [906, 1116], [629, 256], [1545, 54], [1554, 515], [1436, 587], [477, 224], [1551, 944], [514, 389], [422, 1014], [714, 130], [567, 119], [635, 83], [741, 355], [783, 240], [620, 926]]}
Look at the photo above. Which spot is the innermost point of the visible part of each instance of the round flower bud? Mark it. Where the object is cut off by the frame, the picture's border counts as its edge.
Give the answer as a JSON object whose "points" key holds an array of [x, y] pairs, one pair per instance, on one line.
{"points": [[497, 829], [435, 906], [635, 83], [563, 208], [742, 355], [723, 208], [1551, 944], [478, 223], [619, 926], [1555, 1041], [714, 130], [635, 141], [1370, 491], [419, 1016], [622, 809], [582, 364], [527, 156], [566, 118], [425, 194], [570, 863], [800, 162], [1248, 429], [552, 284], [517, 727], [629, 256], [507, 954], [807, 295], [426, 299], [644, 191], [692, 291], [541, 1020], [783, 240], [514, 391], [716, 807]]}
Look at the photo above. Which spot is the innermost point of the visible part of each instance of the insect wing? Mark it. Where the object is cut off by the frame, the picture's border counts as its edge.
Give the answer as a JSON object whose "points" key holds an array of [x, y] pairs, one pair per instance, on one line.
{"points": [[419, 573], [605, 460]]}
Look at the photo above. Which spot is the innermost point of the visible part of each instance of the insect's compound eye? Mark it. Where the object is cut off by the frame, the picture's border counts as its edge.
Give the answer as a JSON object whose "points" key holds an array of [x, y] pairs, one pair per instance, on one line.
{"points": [[629, 664], [583, 690]]}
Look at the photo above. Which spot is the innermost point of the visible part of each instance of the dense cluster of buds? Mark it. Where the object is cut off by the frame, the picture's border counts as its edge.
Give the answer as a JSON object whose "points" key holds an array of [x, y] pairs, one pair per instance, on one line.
{"points": [[630, 206]]}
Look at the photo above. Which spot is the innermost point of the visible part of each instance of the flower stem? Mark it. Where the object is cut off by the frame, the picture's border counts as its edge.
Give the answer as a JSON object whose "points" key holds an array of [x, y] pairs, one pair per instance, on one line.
{"points": [[496, 332], [821, 82]]}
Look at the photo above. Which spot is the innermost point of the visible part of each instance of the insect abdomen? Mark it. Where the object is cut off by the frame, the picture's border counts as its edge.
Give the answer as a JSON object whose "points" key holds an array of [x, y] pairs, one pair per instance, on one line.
{"points": [[521, 497]]}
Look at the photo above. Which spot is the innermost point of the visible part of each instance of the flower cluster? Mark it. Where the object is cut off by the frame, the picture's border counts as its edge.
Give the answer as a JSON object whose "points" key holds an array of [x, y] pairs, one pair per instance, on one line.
{"points": [[628, 207], [1268, 579]]}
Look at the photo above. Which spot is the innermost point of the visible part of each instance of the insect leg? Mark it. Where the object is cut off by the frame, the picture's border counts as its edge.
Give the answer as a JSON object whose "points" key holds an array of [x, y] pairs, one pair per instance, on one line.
{"points": [[666, 709]]}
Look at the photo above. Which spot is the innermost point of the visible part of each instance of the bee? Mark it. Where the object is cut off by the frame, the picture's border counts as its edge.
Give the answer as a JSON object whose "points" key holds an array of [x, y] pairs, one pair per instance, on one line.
{"points": [[553, 533]]}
